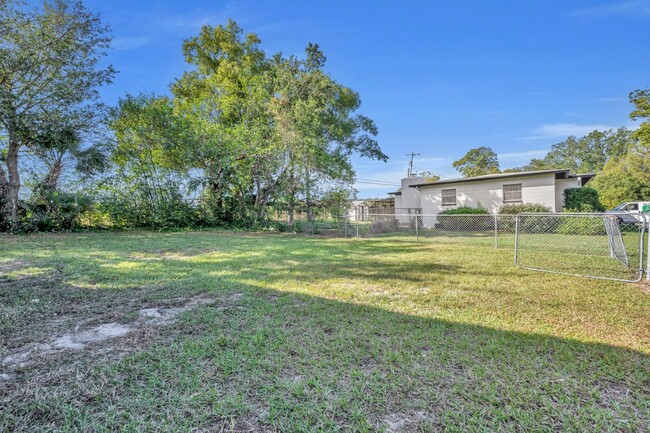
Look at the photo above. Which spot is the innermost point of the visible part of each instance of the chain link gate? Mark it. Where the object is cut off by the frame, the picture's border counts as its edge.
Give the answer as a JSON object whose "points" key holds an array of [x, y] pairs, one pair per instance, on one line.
{"points": [[609, 246]]}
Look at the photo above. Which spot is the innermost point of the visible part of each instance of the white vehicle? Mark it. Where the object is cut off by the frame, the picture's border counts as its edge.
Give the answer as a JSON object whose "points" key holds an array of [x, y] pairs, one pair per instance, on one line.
{"points": [[631, 211]]}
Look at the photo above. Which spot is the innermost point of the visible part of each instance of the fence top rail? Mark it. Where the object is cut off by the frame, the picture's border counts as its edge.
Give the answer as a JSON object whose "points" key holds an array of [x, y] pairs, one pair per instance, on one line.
{"points": [[492, 215], [577, 213]]}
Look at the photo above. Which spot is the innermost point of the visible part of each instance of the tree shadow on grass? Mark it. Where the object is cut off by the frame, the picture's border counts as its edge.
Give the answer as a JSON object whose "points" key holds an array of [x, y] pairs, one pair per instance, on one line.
{"points": [[282, 360]]}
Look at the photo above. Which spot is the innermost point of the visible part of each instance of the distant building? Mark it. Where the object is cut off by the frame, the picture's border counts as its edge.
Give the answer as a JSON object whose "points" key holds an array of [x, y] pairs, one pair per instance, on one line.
{"points": [[360, 210], [491, 191]]}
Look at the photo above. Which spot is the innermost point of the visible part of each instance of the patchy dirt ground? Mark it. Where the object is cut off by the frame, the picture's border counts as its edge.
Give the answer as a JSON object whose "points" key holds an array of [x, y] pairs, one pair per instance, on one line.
{"points": [[38, 337], [198, 332], [97, 338]]}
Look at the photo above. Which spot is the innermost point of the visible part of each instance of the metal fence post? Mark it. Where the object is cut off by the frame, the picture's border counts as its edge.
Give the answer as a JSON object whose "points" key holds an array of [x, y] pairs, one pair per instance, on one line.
{"points": [[516, 237], [345, 227], [647, 251], [417, 231], [496, 231], [357, 229]]}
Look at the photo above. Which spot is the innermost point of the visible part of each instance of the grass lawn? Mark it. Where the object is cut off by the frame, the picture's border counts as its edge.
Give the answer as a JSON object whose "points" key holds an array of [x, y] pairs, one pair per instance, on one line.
{"points": [[216, 331]]}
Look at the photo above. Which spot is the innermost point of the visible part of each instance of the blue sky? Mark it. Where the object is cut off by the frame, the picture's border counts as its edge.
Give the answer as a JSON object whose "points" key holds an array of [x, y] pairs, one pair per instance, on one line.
{"points": [[437, 77]]}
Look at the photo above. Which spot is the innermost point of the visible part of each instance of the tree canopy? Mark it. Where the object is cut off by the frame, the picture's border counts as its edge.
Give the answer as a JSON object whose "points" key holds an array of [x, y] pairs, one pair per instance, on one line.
{"points": [[477, 162], [587, 154], [627, 177], [253, 130], [49, 75]]}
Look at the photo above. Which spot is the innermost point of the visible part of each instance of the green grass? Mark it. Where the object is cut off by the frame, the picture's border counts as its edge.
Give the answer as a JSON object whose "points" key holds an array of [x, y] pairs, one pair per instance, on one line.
{"points": [[586, 255], [311, 334]]}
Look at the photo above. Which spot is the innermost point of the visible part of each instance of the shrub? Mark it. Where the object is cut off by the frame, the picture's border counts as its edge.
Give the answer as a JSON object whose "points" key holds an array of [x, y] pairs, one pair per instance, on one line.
{"points": [[52, 211], [583, 199], [581, 226], [529, 224], [514, 209], [461, 219], [466, 210]]}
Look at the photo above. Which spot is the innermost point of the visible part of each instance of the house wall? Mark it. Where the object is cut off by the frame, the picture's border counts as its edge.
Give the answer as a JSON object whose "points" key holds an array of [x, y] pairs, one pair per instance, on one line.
{"points": [[560, 186], [410, 198], [489, 193], [398, 201], [409, 202]]}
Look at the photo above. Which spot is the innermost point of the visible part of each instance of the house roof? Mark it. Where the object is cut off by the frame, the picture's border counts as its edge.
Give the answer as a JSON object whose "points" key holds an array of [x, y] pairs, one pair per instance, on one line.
{"points": [[566, 174], [395, 193]]}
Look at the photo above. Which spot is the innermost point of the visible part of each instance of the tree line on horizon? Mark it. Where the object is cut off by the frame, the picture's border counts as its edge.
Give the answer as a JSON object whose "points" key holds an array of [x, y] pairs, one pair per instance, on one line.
{"points": [[242, 134], [619, 157]]}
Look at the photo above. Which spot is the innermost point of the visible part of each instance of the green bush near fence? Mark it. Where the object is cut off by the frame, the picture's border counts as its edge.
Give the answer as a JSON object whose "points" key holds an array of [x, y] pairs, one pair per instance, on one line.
{"points": [[517, 208], [528, 224], [581, 226], [466, 210], [464, 219], [582, 199]]}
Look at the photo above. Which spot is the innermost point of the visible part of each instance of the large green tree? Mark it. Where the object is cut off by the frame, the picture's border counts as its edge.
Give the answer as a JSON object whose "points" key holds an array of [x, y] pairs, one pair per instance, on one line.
{"points": [[627, 177], [477, 162], [587, 154], [153, 147], [49, 75], [270, 127], [227, 97], [318, 128]]}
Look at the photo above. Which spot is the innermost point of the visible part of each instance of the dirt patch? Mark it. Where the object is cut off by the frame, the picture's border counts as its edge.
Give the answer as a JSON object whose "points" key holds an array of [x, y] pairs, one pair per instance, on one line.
{"points": [[395, 422], [235, 297], [163, 315], [406, 422], [645, 286], [12, 266], [83, 336], [79, 340]]}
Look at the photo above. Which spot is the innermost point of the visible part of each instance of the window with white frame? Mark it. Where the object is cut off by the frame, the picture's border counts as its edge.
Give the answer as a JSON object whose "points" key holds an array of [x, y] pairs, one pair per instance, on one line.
{"points": [[449, 197], [512, 193]]}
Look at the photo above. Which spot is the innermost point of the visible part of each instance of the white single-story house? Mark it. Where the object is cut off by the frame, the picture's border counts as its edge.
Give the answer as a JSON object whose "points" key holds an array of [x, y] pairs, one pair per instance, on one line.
{"points": [[491, 191]]}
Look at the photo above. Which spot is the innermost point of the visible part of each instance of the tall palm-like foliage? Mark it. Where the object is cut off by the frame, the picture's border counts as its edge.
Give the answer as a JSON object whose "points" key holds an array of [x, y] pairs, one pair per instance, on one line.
{"points": [[49, 70], [61, 148]]}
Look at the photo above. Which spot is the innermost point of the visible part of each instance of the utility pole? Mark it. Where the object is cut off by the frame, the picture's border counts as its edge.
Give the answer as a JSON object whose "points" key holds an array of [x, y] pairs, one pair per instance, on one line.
{"points": [[412, 155]]}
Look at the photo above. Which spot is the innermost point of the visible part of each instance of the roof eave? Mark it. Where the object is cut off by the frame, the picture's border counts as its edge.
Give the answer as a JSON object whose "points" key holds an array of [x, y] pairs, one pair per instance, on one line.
{"points": [[491, 177]]}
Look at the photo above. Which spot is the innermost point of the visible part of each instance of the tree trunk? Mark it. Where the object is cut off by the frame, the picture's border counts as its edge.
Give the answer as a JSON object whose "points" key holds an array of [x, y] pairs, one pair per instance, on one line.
{"points": [[4, 199], [292, 198], [51, 181], [13, 184], [310, 216]]}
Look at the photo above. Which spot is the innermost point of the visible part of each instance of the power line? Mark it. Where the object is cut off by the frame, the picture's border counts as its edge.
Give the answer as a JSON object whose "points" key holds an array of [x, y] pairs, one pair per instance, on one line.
{"points": [[385, 182], [378, 184], [440, 175]]}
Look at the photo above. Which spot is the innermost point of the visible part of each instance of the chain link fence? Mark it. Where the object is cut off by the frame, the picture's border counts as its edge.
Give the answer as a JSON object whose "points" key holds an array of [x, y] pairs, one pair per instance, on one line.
{"points": [[480, 229], [607, 246]]}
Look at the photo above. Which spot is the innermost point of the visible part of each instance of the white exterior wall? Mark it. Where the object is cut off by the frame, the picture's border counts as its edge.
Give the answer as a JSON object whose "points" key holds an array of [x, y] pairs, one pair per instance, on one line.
{"points": [[398, 201], [560, 186], [489, 193], [410, 199]]}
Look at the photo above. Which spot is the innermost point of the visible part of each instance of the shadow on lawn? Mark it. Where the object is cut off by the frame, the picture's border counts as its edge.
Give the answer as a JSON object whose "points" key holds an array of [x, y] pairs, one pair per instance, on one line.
{"points": [[277, 360]]}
